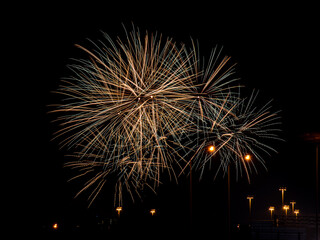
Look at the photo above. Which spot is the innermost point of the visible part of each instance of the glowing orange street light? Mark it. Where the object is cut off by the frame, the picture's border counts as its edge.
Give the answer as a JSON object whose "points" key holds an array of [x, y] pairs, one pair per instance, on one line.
{"points": [[152, 211], [55, 226], [292, 205], [286, 207], [247, 157], [282, 189], [271, 209], [296, 212], [250, 199], [119, 209], [211, 148]]}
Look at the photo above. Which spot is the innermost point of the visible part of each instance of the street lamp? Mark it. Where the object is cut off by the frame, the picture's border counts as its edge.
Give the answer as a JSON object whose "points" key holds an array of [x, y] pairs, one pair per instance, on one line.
{"points": [[152, 212], [315, 138], [211, 148], [296, 212], [250, 199], [55, 226], [282, 189], [271, 209], [286, 207], [247, 157], [292, 205], [119, 209]]}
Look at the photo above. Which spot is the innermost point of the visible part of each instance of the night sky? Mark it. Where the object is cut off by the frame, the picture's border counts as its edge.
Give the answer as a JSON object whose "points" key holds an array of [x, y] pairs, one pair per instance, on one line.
{"points": [[276, 51]]}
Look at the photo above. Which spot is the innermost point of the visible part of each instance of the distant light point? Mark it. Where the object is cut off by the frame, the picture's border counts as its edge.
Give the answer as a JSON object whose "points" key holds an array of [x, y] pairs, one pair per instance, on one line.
{"points": [[211, 148], [247, 157], [55, 226]]}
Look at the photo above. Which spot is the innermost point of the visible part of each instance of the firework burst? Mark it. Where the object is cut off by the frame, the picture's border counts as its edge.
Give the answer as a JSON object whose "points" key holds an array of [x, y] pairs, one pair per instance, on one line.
{"points": [[145, 106], [126, 108]]}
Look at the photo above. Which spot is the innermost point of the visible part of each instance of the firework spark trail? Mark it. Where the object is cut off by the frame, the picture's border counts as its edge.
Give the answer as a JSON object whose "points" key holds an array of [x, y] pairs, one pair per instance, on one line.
{"points": [[127, 107], [237, 135], [141, 107]]}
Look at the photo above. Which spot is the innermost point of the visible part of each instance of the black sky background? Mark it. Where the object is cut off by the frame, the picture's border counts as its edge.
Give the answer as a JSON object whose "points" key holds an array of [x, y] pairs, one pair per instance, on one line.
{"points": [[275, 46]]}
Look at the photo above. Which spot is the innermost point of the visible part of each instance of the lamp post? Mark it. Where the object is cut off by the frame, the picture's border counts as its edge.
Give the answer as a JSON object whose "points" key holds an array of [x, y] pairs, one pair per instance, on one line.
{"points": [[152, 212], [315, 138], [247, 157], [211, 149], [282, 189], [296, 212], [250, 215], [286, 207], [292, 205], [271, 209], [119, 209]]}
